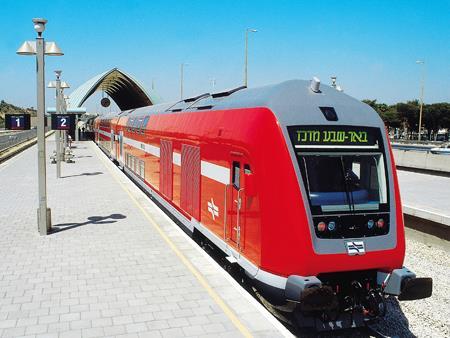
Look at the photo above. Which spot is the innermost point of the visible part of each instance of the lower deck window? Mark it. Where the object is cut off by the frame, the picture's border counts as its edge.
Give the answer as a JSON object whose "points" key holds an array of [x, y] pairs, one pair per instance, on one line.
{"points": [[142, 169]]}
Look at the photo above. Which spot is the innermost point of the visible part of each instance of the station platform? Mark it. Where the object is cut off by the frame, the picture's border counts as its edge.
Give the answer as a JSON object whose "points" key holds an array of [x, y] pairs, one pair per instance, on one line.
{"points": [[425, 196], [115, 264]]}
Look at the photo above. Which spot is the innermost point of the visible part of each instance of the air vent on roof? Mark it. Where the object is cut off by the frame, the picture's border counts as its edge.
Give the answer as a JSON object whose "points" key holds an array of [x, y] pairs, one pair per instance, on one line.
{"points": [[329, 113], [228, 92], [315, 85]]}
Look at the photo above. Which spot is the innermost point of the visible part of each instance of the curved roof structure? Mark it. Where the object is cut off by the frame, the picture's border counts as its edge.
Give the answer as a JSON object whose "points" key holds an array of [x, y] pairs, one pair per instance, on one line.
{"points": [[126, 91]]}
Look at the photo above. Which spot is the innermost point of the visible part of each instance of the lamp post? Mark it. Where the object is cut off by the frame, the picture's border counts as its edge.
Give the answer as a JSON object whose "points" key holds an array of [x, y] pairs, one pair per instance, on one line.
{"points": [[40, 48], [182, 79], [422, 85], [246, 54]]}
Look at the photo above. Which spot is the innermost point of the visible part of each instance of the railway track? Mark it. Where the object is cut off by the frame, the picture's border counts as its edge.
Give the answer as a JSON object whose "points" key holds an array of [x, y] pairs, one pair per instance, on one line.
{"points": [[15, 149]]}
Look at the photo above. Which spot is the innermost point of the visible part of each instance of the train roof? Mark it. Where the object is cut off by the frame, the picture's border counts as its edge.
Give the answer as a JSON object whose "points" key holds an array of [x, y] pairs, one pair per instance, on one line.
{"points": [[293, 102]]}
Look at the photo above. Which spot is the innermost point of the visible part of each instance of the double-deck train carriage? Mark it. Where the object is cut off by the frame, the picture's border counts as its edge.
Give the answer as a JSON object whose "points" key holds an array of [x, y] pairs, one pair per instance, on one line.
{"points": [[296, 184]]}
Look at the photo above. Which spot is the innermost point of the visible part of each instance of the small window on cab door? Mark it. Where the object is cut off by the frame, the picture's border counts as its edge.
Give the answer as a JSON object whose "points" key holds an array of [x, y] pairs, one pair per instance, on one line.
{"points": [[236, 175]]}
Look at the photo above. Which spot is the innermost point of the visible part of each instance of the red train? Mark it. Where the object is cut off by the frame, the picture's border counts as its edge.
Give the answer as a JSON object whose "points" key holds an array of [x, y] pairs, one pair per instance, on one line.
{"points": [[294, 182]]}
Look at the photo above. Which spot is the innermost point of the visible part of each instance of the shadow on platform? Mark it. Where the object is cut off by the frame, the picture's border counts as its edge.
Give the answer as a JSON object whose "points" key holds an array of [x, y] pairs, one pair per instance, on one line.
{"points": [[84, 174], [91, 220]]}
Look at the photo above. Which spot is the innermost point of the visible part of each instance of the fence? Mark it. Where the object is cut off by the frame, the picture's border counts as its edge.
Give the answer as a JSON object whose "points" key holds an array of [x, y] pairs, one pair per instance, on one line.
{"points": [[14, 138]]}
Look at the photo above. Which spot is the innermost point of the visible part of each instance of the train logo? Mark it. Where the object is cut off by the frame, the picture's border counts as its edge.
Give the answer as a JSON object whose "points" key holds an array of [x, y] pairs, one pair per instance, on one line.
{"points": [[213, 209], [355, 248]]}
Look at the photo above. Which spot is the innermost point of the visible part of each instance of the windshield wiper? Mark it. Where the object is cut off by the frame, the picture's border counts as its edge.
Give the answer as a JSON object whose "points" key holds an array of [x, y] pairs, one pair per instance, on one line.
{"points": [[348, 192]]}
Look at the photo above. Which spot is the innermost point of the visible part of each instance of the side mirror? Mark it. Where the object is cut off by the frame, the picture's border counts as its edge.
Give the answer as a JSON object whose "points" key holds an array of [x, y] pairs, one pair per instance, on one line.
{"points": [[250, 185]]}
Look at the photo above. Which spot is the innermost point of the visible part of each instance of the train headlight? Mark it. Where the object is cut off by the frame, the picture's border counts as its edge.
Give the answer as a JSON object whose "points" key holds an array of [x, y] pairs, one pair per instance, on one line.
{"points": [[321, 226], [331, 226], [380, 223], [370, 224]]}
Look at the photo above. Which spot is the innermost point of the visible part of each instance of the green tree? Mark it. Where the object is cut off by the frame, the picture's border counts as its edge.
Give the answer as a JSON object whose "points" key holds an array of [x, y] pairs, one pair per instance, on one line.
{"points": [[409, 112], [436, 116], [387, 113]]}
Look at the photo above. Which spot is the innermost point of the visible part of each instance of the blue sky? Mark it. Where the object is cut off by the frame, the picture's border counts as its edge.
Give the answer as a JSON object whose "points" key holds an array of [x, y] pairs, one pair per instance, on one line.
{"points": [[371, 46]]}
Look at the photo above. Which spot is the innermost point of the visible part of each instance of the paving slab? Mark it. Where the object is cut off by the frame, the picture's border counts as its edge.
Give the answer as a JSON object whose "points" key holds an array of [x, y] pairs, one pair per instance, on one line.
{"points": [[115, 266]]}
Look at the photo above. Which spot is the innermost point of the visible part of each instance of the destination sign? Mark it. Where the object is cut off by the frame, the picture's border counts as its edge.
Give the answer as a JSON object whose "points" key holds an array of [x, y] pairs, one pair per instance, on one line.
{"points": [[302, 136]]}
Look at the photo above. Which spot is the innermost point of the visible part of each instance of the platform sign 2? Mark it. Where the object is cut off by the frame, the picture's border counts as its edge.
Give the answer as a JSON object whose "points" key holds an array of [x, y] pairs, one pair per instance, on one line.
{"points": [[63, 122], [17, 121]]}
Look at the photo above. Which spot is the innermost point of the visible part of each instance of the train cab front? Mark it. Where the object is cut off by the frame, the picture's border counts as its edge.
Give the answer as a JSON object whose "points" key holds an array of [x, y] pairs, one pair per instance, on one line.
{"points": [[356, 225]]}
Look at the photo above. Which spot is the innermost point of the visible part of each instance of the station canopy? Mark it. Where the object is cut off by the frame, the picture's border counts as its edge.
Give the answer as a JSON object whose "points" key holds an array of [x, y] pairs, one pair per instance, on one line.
{"points": [[123, 89]]}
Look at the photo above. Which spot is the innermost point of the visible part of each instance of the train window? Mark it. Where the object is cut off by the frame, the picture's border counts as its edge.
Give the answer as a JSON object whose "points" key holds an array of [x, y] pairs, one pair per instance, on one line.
{"points": [[139, 126], [129, 123], [345, 182], [247, 169], [136, 125], [142, 169], [144, 124], [236, 174]]}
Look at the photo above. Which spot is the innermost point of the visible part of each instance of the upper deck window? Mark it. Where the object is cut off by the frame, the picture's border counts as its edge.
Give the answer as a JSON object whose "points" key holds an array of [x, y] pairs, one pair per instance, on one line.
{"points": [[144, 124]]}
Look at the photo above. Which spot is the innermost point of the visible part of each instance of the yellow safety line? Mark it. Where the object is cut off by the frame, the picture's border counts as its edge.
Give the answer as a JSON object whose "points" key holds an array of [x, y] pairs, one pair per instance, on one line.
{"points": [[183, 258]]}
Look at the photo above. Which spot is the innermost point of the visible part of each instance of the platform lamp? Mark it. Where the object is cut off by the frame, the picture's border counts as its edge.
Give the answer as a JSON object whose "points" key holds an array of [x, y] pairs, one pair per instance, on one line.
{"points": [[248, 30], [40, 48], [182, 79], [422, 85]]}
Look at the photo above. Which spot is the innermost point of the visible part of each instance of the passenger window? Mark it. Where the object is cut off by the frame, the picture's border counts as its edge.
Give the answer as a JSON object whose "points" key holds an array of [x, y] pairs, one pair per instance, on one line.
{"points": [[247, 169], [144, 124], [136, 125], [236, 175]]}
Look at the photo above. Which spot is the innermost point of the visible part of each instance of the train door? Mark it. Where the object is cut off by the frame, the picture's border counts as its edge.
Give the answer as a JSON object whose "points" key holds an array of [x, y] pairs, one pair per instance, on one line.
{"points": [[190, 180], [121, 146], [237, 209], [166, 169], [112, 148]]}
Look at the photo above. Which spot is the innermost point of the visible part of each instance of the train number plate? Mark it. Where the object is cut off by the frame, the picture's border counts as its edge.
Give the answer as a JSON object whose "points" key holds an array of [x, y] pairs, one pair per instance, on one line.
{"points": [[355, 248]]}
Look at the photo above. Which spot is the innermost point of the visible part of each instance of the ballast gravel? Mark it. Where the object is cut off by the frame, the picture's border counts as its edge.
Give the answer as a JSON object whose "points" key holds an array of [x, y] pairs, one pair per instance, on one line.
{"points": [[428, 317]]}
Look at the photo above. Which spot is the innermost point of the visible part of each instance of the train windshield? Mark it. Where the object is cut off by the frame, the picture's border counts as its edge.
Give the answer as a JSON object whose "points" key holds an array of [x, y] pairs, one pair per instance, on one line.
{"points": [[346, 182]]}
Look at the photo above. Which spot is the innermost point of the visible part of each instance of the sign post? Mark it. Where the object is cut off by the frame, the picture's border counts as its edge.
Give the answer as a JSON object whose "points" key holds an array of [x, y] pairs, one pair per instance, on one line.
{"points": [[57, 133]]}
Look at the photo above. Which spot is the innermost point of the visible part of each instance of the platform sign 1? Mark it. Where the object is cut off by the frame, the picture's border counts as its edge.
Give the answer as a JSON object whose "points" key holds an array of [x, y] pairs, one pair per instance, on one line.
{"points": [[63, 122], [17, 121]]}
